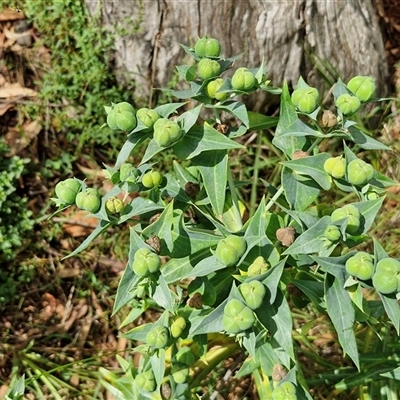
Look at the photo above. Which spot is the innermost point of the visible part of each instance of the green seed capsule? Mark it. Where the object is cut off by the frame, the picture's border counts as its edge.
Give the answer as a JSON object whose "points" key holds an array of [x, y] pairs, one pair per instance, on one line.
{"points": [[114, 205], [359, 173], [67, 190], [207, 47], [348, 104], [230, 250], [362, 86], [253, 293], [335, 166], [158, 337], [146, 381], [208, 68], [361, 265], [258, 267], [237, 317], [146, 262], [243, 79], [88, 200]]}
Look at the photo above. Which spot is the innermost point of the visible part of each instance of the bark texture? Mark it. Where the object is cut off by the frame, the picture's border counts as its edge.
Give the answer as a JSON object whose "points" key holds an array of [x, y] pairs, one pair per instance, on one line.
{"points": [[316, 39]]}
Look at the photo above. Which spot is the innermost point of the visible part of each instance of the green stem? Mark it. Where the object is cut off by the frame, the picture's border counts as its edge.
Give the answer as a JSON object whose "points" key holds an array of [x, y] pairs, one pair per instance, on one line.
{"points": [[208, 362], [253, 197], [41, 375], [274, 198], [262, 385]]}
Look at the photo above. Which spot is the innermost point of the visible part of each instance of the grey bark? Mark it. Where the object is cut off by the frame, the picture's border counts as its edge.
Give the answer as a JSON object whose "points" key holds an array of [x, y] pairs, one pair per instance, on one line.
{"points": [[315, 39]]}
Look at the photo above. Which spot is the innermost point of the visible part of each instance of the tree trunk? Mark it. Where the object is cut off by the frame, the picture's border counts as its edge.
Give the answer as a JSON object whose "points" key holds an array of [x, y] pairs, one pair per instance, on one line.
{"points": [[319, 40]]}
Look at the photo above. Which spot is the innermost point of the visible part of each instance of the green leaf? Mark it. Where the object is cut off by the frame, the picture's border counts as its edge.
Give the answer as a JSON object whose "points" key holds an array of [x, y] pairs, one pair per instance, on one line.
{"points": [[126, 150], [166, 110], [213, 167], [312, 166], [364, 141], [277, 319], [207, 266], [189, 118], [341, 313], [300, 192], [288, 116], [311, 240], [129, 280], [164, 297], [237, 109], [162, 227], [272, 278], [368, 211], [203, 138], [138, 206], [392, 308], [259, 122], [210, 323], [101, 227], [298, 129]]}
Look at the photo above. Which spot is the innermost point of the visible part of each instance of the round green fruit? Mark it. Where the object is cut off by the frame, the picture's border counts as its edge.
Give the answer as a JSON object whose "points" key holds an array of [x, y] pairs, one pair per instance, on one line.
{"points": [[351, 212], [237, 317], [362, 86], [152, 179], [125, 120], [207, 47], [158, 337], [67, 190], [88, 200], [258, 267], [166, 132], [177, 327], [145, 262], [212, 90], [146, 381], [243, 79], [111, 122], [208, 68], [124, 106], [185, 356], [126, 171], [361, 266], [335, 166], [332, 233], [285, 391], [148, 117], [305, 99], [114, 205], [359, 173], [253, 293], [385, 282], [389, 265], [180, 373], [230, 250], [348, 104]]}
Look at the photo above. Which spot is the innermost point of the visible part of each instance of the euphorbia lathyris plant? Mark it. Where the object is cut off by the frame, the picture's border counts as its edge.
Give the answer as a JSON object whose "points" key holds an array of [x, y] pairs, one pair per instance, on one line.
{"points": [[220, 278]]}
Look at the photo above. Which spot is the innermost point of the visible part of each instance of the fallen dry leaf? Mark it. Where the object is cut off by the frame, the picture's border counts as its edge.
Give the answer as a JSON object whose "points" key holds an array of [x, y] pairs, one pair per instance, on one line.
{"points": [[16, 90], [17, 142], [11, 15], [5, 107]]}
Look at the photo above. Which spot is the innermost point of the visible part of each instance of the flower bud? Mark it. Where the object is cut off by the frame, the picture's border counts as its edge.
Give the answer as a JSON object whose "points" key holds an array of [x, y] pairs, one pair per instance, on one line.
{"points": [[258, 267]]}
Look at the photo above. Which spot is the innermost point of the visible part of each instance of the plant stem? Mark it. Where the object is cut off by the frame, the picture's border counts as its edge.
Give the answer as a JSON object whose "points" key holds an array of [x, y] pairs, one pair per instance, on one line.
{"points": [[208, 362]]}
